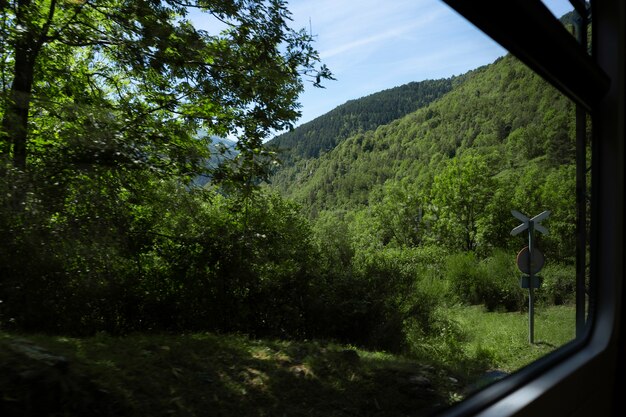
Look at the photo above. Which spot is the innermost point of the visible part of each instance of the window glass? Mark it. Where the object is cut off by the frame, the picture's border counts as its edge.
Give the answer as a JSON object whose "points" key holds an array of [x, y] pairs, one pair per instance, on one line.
{"points": [[424, 204], [181, 234], [571, 18], [558, 8]]}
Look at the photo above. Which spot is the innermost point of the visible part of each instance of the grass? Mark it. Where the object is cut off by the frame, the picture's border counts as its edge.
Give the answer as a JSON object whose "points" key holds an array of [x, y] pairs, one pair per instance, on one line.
{"points": [[232, 375], [216, 375], [504, 336]]}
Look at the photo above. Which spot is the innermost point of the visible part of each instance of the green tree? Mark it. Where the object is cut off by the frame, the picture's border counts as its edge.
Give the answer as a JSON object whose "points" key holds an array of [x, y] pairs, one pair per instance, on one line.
{"points": [[399, 215], [132, 81], [527, 198], [524, 144], [560, 149], [498, 222], [100, 110], [558, 194], [458, 205]]}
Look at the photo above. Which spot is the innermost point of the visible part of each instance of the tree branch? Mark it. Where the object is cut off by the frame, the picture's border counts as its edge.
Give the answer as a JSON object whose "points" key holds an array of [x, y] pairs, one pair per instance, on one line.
{"points": [[46, 27], [63, 27]]}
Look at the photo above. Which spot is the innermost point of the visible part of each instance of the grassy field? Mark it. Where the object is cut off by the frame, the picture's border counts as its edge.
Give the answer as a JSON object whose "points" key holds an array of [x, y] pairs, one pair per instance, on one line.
{"points": [[504, 336], [232, 375]]}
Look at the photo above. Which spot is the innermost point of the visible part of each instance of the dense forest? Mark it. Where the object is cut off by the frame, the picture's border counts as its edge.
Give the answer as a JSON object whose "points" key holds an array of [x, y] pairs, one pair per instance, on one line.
{"points": [[387, 209], [325, 132], [501, 140]]}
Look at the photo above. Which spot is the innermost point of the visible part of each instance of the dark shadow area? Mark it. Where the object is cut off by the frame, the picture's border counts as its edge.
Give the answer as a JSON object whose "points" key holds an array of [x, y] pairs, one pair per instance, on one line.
{"points": [[191, 375]]}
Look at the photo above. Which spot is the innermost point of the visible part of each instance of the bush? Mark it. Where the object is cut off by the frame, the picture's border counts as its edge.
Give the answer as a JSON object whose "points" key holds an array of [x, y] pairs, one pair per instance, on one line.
{"points": [[463, 273], [500, 287], [559, 284], [231, 265], [378, 302], [492, 281], [158, 257]]}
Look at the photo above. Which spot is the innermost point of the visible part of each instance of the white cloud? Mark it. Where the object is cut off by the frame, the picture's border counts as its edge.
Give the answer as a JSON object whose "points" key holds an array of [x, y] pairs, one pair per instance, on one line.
{"points": [[367, 39]]}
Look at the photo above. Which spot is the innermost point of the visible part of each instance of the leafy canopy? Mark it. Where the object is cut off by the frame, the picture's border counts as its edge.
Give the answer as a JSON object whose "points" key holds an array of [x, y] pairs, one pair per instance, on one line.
{"points": [[131, 82]]}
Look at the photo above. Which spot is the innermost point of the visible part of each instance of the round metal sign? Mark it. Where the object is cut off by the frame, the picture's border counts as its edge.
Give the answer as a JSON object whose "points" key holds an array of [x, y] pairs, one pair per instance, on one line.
{"points": [[527, 265]]}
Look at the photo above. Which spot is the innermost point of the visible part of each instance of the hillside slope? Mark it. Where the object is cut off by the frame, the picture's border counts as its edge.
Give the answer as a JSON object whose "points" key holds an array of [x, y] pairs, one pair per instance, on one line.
{"points": [[327, 131], [503, 111]]}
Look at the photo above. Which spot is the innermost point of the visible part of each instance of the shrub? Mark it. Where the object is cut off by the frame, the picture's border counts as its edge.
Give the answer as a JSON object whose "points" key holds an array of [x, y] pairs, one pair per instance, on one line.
{"points": [[559, 284], [500, 287], [463, 273], [378, 302], [492, 281]]}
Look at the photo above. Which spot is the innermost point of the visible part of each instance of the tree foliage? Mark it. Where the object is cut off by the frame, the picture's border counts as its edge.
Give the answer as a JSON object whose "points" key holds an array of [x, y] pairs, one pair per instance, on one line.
{"points": [[131, 82], [459, 198], [102, 104], [327, 131], [447, 177], [497, 141]]}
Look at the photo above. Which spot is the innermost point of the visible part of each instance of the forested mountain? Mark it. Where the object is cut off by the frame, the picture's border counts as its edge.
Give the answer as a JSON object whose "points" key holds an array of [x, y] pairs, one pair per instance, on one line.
{"points": [[325, 132], [502, 111], [502, 120]]}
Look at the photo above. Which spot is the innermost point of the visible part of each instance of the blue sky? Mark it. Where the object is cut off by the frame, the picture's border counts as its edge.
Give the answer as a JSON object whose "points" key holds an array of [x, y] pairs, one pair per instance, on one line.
{"points": [[372, 45]]}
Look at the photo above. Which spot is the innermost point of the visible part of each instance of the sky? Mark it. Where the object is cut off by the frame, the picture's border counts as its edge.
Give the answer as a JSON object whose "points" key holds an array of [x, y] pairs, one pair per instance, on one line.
{"points": [[373, 45]]}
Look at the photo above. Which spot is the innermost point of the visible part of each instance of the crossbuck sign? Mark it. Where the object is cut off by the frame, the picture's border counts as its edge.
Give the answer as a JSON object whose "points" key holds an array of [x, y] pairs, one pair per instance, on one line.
{"points": [[535, 221]]}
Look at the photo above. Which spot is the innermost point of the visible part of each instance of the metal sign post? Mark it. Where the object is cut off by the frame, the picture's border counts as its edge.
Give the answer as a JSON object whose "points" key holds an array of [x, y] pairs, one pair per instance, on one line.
{"points": [[531, 290], [529, 264]]}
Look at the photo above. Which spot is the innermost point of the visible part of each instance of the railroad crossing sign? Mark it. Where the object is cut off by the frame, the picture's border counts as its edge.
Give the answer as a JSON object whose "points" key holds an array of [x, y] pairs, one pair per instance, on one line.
{"points": [[535, 221], [530, 261]]}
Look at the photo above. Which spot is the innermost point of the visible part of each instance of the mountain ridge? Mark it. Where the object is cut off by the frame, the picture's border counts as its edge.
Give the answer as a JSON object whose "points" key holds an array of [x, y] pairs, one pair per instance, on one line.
{"points": [[502, 111], [325, 132]]}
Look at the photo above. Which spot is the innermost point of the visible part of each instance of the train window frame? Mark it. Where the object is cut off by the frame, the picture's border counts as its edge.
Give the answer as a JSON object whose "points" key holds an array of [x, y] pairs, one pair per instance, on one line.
{"points": [[583, 377]]}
